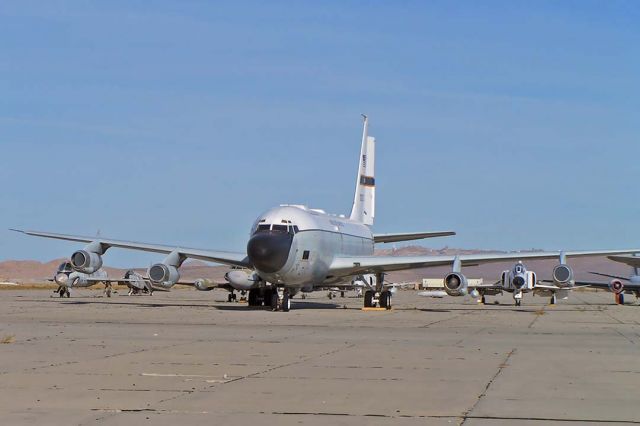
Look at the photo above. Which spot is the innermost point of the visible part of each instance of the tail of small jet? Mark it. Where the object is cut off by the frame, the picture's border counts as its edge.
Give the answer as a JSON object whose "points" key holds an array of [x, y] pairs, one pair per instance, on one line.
{"points": [[364, 200]]}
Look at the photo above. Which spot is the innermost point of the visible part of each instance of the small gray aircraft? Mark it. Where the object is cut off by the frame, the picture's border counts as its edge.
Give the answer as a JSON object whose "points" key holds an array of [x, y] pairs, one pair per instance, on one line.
{"points": [[67, 277], [620, 285], [294, 248]]}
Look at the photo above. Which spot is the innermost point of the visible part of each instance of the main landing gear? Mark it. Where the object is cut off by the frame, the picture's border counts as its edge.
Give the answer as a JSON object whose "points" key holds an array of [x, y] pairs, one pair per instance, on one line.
{"points": [[378, 297], [278, 299], [553, 299], [373, 299], [232, 297]]}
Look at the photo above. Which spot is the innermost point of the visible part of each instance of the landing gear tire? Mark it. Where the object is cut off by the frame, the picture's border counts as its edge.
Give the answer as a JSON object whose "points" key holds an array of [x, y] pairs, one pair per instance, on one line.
{"points": [[518, 302], [230, 298], [274, 300], [368, 299], [483, 300], [553, 299], [253, 297], [286, 301], [385, 300], [62, 292], [342, 294]]}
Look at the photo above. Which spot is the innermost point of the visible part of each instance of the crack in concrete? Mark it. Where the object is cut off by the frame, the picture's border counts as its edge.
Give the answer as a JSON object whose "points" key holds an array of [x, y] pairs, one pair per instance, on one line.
{"points": [[501, 367]]}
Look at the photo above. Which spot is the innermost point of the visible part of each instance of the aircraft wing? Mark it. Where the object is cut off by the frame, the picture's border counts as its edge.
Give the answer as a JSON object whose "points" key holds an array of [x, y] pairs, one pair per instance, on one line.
{"points": [[393, 238], [228, 258], [628, 259], [610, 276], [353, 265]]}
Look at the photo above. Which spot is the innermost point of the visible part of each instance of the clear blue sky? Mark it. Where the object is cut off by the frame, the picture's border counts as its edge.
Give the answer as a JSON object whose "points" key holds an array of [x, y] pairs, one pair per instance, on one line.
{"points": [[514, 123]]}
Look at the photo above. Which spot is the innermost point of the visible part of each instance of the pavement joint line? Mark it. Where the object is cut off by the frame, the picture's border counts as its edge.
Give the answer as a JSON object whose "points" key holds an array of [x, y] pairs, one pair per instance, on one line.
{"points": [[623, 335], [444, 416], [501, 367], [445, 319], [254, 375]]}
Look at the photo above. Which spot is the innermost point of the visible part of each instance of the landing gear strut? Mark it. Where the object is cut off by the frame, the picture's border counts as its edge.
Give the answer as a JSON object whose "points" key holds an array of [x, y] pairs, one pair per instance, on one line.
{"points": [[64, 291], [232, 297], [518, 298], [281, 299], [553, 299]]}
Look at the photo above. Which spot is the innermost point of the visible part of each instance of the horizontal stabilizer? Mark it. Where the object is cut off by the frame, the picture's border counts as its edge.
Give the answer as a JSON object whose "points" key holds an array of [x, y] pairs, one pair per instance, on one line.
{"points": [[408, 236]]}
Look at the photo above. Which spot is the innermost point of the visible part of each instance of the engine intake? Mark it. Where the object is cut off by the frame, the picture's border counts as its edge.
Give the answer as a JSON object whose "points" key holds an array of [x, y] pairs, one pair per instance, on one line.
{"points": [[616, 286], [86, 262], [563, 275], [164, 275], [455, 284]]}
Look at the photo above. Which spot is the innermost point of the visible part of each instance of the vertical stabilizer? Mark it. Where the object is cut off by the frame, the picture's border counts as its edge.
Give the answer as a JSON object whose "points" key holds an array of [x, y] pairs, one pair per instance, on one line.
{"points": [[364, 200]]}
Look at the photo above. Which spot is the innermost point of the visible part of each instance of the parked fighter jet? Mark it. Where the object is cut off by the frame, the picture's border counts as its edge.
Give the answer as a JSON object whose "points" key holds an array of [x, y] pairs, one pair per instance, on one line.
{"points": [[619, 285], [294, 248], [67, 277], [517, 280]]}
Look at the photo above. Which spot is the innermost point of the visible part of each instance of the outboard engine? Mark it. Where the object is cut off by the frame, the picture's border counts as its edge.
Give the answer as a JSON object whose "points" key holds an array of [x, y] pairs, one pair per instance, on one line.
{"points": [[242, 279], [163, 275], [86, 261], [563, 275], [455, 284], [616, 286]]}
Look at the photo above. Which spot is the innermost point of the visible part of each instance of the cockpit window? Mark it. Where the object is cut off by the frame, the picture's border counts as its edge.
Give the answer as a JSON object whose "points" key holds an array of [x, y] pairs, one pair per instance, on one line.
{"points": [[263, 227], [65, 267], [280, 228]]}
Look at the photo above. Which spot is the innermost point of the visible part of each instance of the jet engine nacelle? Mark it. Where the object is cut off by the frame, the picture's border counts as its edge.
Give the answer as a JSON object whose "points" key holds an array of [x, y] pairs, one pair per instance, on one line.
{"points": [[242, 280], [86, 261], [203, 284], [563, 275], [163, 275], [616, 286], [455, 284]]}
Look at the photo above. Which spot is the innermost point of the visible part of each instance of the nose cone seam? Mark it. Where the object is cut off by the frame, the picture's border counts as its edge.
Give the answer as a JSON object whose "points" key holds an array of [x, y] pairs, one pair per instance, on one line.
{"points": [[269, 251]]}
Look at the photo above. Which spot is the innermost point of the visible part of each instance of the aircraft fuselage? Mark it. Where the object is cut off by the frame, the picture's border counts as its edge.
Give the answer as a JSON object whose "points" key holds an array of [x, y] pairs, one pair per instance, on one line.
{"points": [[294, 246]]}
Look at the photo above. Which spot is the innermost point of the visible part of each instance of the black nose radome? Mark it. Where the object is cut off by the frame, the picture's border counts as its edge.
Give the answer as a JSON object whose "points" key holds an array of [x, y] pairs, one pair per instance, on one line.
{"points": [[518, 281], [269, 251]]}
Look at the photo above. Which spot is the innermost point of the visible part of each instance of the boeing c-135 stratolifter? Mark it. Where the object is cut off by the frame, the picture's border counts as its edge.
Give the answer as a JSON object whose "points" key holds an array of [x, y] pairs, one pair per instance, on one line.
{"points": [[294, 248]]}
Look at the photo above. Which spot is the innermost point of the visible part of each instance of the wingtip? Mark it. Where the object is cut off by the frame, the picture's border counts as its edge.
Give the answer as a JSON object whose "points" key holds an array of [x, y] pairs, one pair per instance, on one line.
{"points": [[17, 230]]}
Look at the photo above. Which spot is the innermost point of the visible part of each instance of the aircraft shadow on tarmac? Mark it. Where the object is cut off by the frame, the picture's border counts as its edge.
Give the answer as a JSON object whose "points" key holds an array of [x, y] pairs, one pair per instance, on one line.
{"points": [[222, 307]]}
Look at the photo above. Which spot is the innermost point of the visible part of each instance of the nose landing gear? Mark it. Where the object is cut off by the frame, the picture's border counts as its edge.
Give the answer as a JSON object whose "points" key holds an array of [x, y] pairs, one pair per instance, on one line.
{"points": [[281, 300]]}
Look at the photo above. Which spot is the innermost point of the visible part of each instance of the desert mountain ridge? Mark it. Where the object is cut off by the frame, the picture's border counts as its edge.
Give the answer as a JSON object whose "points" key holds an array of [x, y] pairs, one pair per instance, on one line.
{"points": [[36, 271]]}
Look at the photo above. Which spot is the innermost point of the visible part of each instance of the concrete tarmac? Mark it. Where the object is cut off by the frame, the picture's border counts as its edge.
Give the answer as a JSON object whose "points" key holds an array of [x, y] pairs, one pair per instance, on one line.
{"points": [[187, 358]]}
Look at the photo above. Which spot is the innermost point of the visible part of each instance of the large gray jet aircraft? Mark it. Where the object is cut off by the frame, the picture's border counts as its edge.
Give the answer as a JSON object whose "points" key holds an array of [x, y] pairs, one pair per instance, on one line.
{"points": [[294, 248]]}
